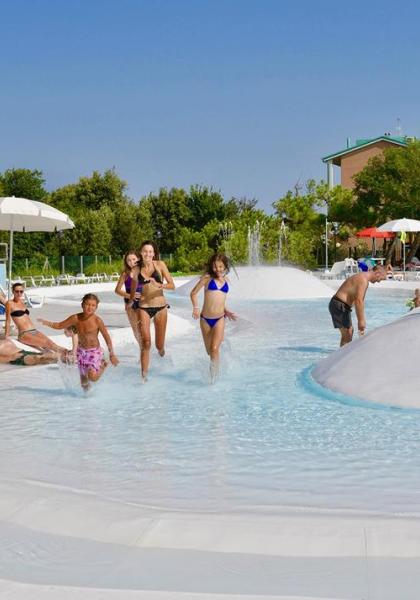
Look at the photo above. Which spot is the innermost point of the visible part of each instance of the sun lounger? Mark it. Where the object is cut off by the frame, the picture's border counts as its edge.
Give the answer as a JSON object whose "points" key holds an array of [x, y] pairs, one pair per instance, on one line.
{"points": [[82, 278], [337, 271], [65, 279]]}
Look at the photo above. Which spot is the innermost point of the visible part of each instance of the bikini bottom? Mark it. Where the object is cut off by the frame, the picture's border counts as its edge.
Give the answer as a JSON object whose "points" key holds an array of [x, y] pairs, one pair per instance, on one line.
{"points": [[211, 321], [153, 310], [32, 331]]}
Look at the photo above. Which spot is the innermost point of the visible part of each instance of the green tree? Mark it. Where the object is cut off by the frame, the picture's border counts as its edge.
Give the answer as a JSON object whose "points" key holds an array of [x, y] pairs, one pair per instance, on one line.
{"points": [[169, 214], [23, 183], [91, 235], [304, 222], [204, 205], [131, 224], [387, 188], [92, 192]]}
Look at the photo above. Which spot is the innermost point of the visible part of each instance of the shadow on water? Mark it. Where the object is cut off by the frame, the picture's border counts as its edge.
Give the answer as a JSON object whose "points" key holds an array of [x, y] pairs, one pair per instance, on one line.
{"points": [[46, 391], [310, 349]]}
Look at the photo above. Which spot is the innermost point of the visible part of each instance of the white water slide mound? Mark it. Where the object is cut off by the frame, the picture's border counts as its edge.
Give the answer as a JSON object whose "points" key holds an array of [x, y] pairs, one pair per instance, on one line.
{"points": [[270, 283], [382, 367]]}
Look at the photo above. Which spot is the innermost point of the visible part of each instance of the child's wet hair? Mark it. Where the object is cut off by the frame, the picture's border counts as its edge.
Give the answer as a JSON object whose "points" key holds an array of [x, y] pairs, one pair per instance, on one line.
{"points": [[87, 297], [218, 256]]}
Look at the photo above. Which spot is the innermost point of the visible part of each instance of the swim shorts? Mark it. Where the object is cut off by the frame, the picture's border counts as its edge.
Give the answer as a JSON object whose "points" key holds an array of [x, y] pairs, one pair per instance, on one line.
{"points": [[340, 313], [89, 358]]}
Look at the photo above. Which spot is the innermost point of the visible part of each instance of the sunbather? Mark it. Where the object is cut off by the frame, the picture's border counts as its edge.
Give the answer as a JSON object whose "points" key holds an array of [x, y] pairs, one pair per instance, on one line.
{"points": [[11, 354], [17, 312]]}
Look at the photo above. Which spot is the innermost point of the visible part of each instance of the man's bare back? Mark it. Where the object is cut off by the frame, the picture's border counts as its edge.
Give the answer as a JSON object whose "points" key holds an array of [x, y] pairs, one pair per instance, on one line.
{"points": [[352, 293], [353, 288]]}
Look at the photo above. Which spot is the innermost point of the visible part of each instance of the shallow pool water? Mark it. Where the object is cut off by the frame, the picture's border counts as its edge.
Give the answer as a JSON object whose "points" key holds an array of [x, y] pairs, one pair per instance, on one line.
{"points": [[262, 438]]}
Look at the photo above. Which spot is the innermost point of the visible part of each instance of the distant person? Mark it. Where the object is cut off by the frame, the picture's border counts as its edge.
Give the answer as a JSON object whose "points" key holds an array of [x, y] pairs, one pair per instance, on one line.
{"points": [[3, 301], [213, 314], [17, 312], [11, 354], [414, 302], [131, 260], [90, 356], [154, 277], [389, 271], [352, 293]]}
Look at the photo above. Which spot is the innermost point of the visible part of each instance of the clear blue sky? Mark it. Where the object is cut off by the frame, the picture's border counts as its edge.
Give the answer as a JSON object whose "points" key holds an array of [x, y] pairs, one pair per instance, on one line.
{"points": [[244, 96]]}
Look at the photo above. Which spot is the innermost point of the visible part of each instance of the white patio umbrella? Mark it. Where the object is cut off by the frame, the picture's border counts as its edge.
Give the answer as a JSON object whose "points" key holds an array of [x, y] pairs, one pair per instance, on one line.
{"points": [[402, 226], [20, 214]]}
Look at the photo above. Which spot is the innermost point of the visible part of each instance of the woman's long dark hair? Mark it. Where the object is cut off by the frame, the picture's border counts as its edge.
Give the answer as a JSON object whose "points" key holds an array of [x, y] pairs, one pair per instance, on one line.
{"points": [[210, 265]]}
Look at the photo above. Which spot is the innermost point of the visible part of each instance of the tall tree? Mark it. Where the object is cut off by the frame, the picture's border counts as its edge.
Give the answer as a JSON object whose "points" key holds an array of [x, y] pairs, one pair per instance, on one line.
{"points": [[169, 214], [204, 205], [23, 183], [92, 192]]}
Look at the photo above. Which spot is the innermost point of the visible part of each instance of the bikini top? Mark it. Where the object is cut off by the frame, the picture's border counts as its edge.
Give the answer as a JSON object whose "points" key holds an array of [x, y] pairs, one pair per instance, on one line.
{"points": [[19, 313], [128, 282], [212, 287], [156, 275]]}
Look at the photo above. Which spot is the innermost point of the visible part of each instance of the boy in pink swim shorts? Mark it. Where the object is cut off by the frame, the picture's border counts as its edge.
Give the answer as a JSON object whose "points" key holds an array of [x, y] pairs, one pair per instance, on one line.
{"points": [[89, 354]]}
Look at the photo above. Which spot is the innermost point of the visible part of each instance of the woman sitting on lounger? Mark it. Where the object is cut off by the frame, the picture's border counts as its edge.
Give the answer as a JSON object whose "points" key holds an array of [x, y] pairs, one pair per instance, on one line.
{"points": [[17, 312], [11, 354]]}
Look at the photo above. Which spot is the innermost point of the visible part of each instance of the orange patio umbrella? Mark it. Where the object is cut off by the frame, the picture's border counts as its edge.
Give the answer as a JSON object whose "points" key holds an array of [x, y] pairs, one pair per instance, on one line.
{"points": [[374, 233]]}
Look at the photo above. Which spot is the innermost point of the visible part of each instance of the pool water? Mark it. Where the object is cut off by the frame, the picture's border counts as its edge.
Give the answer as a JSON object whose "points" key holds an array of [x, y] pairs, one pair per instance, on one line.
{"points": [[264, 437]]}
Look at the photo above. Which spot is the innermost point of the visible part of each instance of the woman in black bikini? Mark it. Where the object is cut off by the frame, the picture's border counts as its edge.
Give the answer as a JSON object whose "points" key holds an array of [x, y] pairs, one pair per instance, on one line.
{"points": [[154, 276], [17, 312]]}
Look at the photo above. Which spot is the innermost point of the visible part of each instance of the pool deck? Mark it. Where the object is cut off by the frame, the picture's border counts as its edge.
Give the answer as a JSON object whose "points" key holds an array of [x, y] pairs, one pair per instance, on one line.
{"points": [[87, 547]]}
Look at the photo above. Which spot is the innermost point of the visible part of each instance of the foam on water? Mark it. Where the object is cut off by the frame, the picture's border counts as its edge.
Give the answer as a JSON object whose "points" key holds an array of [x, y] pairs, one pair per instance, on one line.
{"points": [[270, 283]]}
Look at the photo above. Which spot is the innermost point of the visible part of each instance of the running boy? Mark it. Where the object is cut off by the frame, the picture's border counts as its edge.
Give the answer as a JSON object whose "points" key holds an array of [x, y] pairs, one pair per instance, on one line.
{"points": [[89, 354]]}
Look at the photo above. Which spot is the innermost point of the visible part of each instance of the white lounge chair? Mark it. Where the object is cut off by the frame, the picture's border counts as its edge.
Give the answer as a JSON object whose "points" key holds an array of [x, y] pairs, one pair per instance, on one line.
{"points": [[337, 271], [351, 267], [82, 278], [64, 278]]}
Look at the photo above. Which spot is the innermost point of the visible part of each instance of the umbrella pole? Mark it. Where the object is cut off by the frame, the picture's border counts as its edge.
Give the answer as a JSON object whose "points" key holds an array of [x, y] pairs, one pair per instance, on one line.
{"points": [[404, 257], [9, 287]]}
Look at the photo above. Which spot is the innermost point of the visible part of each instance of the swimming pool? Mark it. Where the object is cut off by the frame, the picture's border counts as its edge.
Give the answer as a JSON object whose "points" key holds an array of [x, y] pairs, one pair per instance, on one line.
{"points": [[263, 438]]}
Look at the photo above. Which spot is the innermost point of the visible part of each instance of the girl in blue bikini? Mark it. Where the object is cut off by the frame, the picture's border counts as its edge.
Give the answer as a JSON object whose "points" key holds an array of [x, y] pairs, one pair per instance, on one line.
{"points": [[214, 312]]}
